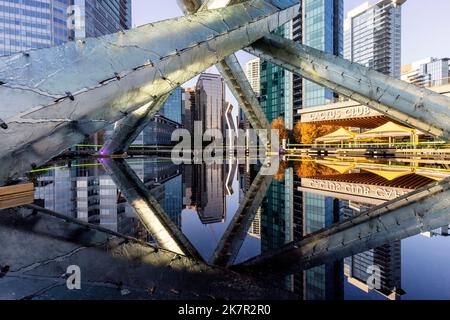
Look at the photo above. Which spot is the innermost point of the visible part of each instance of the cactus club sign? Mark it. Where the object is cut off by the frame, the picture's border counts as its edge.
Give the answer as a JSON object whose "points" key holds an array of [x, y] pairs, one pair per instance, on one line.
{"points": [[339, 113]]}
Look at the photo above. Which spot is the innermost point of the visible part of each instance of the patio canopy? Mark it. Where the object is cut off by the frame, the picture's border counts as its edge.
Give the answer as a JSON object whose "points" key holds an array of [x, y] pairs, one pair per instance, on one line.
{"points": [[337, 136], [389, 129]]}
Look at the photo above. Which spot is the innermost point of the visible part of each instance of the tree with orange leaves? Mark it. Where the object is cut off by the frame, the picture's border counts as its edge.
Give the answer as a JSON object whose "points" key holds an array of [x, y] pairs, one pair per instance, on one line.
{"points": [[279, 176], [307, 133], [278, 124], [309, 169]]}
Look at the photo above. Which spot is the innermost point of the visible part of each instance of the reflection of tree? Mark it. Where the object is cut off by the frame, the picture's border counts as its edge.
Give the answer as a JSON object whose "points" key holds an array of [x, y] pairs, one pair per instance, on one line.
{"points": [[281, 171], [278, 124], [307, 133], [308, 169]]}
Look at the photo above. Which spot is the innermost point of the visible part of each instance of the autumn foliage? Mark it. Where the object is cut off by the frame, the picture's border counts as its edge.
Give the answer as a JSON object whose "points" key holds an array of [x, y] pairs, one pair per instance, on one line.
{"points": [[308, 169], [278, 124], [281, 171], [307, 133]]}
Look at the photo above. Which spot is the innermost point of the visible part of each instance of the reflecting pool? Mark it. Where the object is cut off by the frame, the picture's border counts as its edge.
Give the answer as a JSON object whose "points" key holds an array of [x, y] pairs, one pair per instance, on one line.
{"points": [[320, 229]]}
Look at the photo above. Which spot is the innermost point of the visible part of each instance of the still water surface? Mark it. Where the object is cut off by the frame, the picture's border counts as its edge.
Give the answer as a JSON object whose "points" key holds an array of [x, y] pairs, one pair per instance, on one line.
{"points": [[305, 196]]}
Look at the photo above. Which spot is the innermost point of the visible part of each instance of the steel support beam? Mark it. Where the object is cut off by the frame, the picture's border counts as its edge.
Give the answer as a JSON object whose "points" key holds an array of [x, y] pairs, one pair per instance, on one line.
{"points": [[131, 126], [235, 78], [53, 98], [234, 236], [416, 107], [147, 208], [237, 81], [423, 210]]}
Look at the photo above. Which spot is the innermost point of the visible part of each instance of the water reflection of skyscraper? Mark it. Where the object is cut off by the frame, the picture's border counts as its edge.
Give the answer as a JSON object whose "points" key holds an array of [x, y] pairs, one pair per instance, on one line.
{"points": [[87, 192], [387, 257], [205, 183]]}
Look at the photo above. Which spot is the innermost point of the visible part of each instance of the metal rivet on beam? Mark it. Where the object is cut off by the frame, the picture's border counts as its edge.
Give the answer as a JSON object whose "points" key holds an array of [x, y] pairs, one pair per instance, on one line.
{"points": [[3, 124], [70, 95]]}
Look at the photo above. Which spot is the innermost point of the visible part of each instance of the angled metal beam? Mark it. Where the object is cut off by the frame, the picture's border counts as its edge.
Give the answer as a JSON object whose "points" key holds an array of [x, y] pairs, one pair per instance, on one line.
{"points": [[131, 126], [53, 98], [231, 242], [235, 78], [147, 208], [423, 210], [416, 107], [237, 81], [128, 129]]}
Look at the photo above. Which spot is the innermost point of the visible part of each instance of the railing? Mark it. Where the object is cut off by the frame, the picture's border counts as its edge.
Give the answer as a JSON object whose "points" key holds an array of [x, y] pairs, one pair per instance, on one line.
{"points": [[374, 145]]}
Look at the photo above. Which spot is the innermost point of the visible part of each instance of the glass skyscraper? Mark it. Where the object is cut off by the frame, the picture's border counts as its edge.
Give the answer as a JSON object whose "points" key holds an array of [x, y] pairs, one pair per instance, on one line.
{"points": [[102, 17], [35, 24], [210, 101], [276, 87], [29, 24], [173, 107], [373, 36], [322, 30]]}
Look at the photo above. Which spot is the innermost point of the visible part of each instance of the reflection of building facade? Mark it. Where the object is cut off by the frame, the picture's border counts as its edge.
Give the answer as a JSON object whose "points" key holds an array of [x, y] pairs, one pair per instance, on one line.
{"points": [[324, 282], [359, 268], [86, 192], [277, 214], [255, 227], [355, 190], [373, 36], [429, 72], [206, 184]]}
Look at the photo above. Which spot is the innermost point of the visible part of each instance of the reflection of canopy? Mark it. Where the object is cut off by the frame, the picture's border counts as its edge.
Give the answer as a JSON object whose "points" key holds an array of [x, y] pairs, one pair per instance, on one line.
{"points": [[389, 129], [389, 175], [340, 168], [339, 135]]}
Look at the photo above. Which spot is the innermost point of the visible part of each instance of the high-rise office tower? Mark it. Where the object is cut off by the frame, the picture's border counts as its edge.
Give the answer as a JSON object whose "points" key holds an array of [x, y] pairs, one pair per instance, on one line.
{"points": [[172, 109], [322, 29], [189, 109], [252, 71], [276, 87], [429, 72], [26, 25], [373, 36], [101, 17], [210, 101]]}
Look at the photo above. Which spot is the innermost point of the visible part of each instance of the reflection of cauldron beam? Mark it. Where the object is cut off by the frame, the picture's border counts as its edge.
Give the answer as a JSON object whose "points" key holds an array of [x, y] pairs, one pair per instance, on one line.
{"points": [[147, 208], [234, 236], [422, 210]]}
